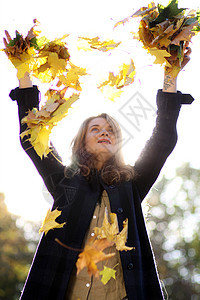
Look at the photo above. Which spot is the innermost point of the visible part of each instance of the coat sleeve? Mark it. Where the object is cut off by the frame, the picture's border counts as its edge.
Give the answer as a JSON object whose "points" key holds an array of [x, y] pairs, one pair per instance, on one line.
{"points": [[162, 141], [28, 98]]}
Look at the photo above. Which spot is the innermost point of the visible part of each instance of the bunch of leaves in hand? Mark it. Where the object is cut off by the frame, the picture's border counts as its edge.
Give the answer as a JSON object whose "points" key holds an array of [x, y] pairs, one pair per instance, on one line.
{"points": [[41, 122], [22, 51], [164, 31]]}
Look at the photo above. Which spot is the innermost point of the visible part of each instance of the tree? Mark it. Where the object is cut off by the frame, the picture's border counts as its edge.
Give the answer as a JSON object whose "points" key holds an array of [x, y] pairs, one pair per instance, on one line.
{"points": [[16, 254], [174, 227]]}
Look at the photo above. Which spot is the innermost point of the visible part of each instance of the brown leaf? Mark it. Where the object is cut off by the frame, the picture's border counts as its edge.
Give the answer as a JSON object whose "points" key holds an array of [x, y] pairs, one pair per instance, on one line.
{"points": [[185, 35]]}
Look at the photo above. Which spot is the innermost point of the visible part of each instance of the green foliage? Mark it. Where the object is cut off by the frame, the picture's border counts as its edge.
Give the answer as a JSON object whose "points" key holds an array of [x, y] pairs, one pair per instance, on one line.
{"points": [[174, 227], [168, 12], [197, 28], [17, 38], [37, 43], [16, 255]]}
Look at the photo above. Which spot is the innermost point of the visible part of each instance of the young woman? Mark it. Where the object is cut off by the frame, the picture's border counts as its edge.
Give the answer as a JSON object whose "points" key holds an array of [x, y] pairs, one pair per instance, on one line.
{"points": [[98, 179]]}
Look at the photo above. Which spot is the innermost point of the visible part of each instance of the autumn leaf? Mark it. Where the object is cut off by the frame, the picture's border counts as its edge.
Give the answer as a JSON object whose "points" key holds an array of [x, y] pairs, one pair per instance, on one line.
{"points": [[21, 51], [185, 34], [140, 12], [92, 254], [50, 221], [124, 78], [95, 43], [52, 58], [111, 232], [168, 12], [71, 79], [107, 273], [160, 56], [41, 122], [162, 27], [111, 92], [121, 237]]}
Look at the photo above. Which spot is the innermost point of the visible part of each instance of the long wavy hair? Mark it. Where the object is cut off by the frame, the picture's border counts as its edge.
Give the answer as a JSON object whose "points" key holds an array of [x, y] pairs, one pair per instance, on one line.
{"points": [[114, 169]]}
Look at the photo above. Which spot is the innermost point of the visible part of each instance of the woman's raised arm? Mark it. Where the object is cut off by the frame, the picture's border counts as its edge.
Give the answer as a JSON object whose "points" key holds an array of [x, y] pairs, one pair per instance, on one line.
{"points": [[164, 136]]}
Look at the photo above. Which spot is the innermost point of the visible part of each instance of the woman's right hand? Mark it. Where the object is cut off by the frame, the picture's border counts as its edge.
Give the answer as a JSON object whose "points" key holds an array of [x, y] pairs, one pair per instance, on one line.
{"points": [[26, 81]]}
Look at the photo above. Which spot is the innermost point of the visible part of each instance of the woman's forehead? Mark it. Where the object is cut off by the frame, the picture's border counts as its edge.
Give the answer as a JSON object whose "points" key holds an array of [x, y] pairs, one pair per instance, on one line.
{"points": [[98, 122]]}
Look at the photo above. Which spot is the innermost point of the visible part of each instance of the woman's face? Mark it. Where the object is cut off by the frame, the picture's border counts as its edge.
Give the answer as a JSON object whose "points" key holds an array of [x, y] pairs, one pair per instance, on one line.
{"points": [[100, 139]]}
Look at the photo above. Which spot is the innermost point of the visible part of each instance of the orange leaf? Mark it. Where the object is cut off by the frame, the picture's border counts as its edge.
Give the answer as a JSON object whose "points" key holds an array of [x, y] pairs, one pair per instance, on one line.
{"points": [[92, 254]]}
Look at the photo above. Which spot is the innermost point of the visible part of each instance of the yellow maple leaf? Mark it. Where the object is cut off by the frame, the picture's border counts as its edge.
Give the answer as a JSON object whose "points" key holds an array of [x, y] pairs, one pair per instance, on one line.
{"points": [[26, 62], [139, 13], [121, 237], [95, 43], [71, 79], [123, 78], [49, 221], [52, 60], [160, 56], [40, 123], [111, 232], [107, 273], [111, 92]]}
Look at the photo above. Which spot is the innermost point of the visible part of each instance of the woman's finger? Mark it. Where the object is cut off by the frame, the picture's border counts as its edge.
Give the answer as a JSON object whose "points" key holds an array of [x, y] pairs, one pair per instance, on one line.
{"points": [[5, 42], [8, 36]]}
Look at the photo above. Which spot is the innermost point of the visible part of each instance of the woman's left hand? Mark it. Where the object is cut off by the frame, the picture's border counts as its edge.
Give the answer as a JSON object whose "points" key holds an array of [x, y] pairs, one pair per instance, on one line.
{"points": [[171, 73]]}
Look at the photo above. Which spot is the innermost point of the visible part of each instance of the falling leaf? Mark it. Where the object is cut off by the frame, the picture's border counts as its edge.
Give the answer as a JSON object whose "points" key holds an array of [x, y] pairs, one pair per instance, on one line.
{"points": [[121, 237], [124, 78], [52, 59], [111, 92], [95, 43], [71, 79], [111, 232], [50, 221], [107, 274], [140, 12], [41, 122], [92, 254]]}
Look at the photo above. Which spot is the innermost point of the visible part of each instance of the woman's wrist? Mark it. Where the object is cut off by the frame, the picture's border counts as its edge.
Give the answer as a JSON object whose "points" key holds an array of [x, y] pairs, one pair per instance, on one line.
{"points": [[25, 82], [170, 83]]}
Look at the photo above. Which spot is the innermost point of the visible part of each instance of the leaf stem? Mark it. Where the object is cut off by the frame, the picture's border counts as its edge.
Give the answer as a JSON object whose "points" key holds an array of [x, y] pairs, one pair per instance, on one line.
{"points": [[68, 247]]}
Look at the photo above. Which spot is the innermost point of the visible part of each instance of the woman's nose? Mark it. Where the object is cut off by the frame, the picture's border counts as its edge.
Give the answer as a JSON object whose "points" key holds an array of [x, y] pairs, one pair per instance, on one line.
{"points": [[104, 132]]}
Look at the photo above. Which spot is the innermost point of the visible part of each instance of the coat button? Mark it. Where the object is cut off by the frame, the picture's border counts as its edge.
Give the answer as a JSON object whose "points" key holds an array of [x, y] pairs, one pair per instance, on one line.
{"points": [[120, 210], [112, 186], [130, 266]]}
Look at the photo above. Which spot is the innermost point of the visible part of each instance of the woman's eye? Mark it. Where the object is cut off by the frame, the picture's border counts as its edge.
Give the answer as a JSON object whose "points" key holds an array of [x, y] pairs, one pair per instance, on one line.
{"points": [[94, 129]]}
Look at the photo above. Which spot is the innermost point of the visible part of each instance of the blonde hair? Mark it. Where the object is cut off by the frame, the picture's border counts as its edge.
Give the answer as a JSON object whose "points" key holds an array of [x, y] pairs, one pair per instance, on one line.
{"points": [[83, 162]]}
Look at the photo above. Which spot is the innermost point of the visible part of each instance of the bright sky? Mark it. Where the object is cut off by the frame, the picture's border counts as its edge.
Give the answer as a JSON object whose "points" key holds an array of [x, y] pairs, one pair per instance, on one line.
{"points": [[19, 180]]}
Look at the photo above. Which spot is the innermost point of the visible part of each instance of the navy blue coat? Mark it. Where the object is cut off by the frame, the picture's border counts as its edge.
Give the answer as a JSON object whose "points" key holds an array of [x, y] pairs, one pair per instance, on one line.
{"points": [[76, 197]]}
